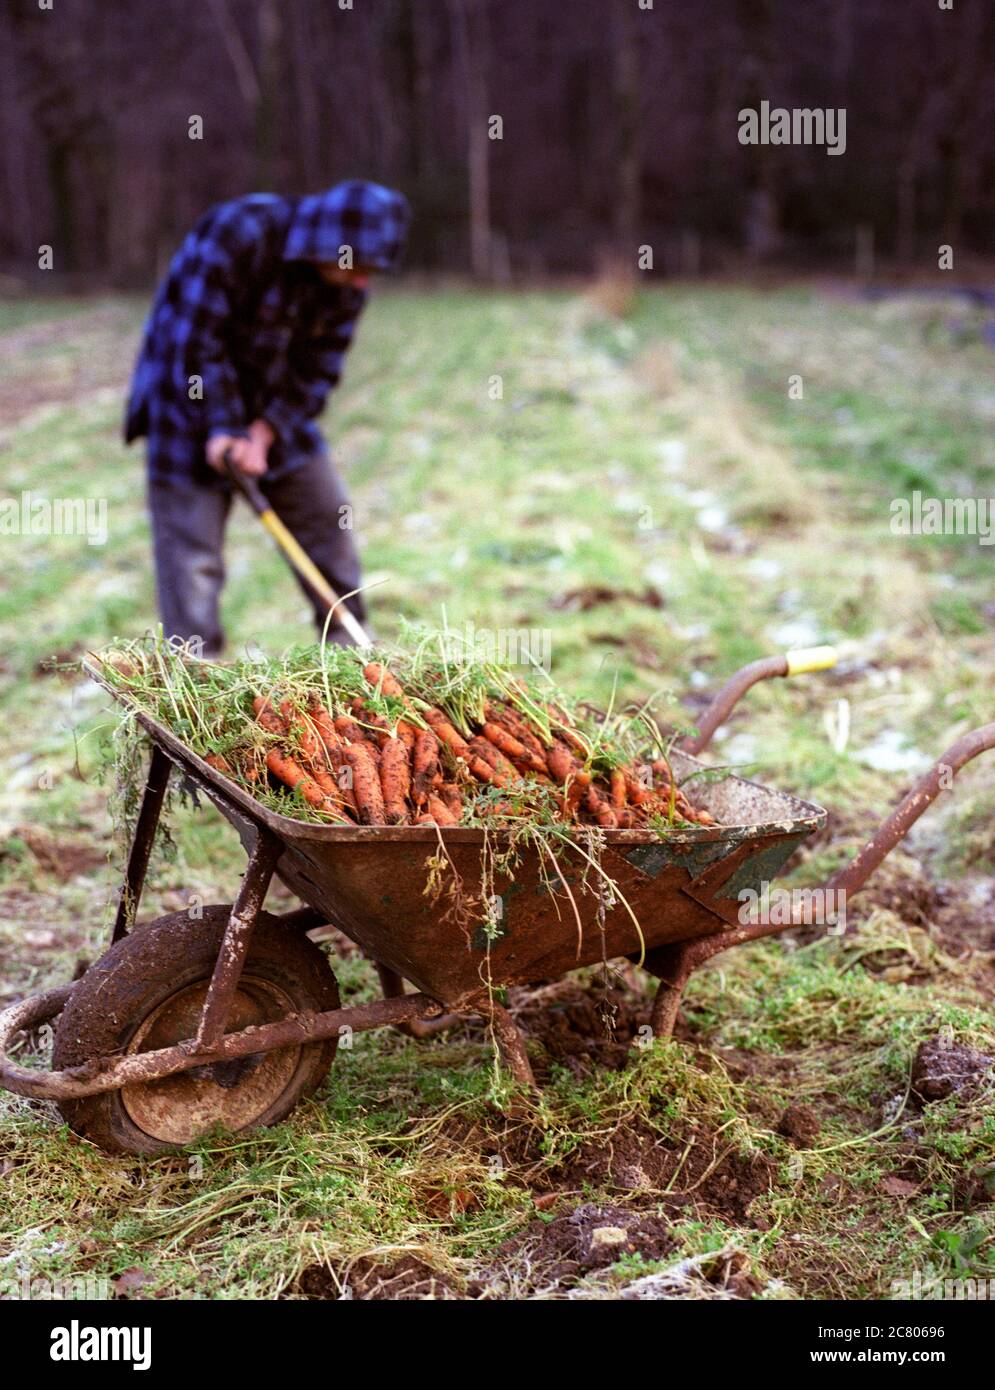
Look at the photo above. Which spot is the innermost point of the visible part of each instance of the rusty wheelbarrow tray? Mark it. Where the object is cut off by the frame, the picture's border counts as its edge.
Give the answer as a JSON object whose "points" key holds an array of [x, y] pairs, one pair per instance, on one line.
{"points": [[676, 901]]}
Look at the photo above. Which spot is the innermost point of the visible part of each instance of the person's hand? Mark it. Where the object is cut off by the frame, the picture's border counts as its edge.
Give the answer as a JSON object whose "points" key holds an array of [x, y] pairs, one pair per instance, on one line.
{"points": [[247, 455]]}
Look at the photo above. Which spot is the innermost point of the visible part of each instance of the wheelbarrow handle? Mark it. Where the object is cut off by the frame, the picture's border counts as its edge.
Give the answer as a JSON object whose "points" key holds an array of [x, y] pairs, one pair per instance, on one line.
{"points": [[794, 663], [939, 778], [674, 962]]}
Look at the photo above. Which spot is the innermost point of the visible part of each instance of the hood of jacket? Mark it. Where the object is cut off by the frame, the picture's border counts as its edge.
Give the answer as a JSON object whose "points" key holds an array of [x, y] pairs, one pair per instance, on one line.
{"points": [[365, 216]]}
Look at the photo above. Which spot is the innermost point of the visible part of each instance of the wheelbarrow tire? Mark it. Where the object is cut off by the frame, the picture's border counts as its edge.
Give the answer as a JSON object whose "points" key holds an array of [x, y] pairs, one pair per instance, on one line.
{"points": [[146, 992]]}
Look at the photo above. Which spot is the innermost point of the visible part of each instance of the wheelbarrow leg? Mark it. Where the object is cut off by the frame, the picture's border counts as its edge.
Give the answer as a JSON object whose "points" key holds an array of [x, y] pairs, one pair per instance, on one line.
{"points": [[673, 966], [235, 943], [141, 846], [392, 985], [511, 1041]]}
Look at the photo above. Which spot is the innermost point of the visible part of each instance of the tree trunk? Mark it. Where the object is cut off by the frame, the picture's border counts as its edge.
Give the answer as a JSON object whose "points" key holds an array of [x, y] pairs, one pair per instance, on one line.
{"points": [[625, 79], [470, 43], [307, 160], [267, 114]]}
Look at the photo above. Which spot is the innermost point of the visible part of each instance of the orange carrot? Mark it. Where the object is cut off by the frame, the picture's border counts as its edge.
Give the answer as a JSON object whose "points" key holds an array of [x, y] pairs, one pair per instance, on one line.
{"points": [[565, 730], [560, 763], [512, 748], [348, 729], [440, 812], [406, 733], [395, 780], [636, 789], [315, 759], [567, 771], [483, 748], [290, 772], [484, 772], [366, 783], [322, 721], [446, 734], [517, 726], [424, 766], [599, 808], [381, 679], [618, 785], [375, 728], [564, 767], [449, 794], [266, 716], [335, 750]]}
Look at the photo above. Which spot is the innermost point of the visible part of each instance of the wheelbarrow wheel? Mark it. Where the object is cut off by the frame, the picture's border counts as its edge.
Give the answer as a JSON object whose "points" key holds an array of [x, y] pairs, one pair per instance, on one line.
{"points": [[147, 992]]}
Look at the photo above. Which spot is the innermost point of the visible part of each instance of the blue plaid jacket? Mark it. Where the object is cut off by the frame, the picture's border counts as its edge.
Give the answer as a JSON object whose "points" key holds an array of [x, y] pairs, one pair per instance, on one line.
{"points": [[244, 328]]}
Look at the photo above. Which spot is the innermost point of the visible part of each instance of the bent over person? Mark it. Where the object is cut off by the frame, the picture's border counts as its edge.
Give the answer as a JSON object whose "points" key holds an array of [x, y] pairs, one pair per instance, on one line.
{"points": [[246, 337]]}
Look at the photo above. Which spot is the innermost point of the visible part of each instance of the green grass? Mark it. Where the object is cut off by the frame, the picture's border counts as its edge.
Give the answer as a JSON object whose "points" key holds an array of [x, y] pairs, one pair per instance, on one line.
{"points": [[659, 451]]}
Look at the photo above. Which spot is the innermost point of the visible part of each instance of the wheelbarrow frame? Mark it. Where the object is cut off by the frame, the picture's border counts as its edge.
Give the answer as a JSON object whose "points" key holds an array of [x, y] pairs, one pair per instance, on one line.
{"points": [[265, 836]]}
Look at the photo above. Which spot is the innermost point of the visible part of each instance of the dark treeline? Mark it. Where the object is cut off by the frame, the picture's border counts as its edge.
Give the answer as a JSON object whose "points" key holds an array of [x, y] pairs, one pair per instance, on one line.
{"points": [[619, 126]]}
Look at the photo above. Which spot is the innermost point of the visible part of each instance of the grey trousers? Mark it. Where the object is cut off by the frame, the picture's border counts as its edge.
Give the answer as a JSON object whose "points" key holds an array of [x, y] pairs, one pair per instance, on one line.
{"points": [[188, 529]]}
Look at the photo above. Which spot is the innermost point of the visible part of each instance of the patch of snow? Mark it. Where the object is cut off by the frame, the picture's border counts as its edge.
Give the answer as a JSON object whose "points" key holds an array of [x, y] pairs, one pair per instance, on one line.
{"points": [[715, 519], [891, 752], [763, 567], [694, 632], [628, 501], [420, 523], [889, 678], [673, 454], [659, 574], [799, 632], [738, 748]]}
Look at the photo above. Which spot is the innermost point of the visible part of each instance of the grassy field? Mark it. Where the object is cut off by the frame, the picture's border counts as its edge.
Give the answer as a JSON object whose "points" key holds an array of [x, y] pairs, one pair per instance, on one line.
{"points": [[638, 479]]}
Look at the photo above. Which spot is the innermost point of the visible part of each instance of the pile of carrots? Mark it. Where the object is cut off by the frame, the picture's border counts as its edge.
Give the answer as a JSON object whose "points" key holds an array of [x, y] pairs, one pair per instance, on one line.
{"points": [[357, 767]]}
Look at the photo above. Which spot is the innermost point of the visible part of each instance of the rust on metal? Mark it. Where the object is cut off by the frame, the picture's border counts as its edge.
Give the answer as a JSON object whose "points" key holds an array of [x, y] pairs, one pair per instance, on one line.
{"points": [[512, 1044], [236, 1093], [109, 1073], [682, 893], [160, 767], [235, 944], [392, 985], [729, 696], [939, 777]]}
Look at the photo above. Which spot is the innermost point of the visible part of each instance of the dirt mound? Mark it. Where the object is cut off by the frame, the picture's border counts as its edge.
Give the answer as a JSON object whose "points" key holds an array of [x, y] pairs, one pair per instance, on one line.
{"points": [[558, 1253], [943, 1068], [800, 1125], [580, 1027], [902, 886], [697, 1167], [64, 859], [403, 1280], [964, 914]]}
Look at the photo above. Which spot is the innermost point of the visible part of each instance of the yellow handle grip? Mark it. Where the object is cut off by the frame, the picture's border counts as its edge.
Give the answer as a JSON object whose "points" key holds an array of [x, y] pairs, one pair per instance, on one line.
{"points": [[811, 659], [306, 567]]}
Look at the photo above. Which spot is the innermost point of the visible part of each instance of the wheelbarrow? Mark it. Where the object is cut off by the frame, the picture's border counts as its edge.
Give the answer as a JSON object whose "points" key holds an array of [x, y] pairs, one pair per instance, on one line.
{"points": [[229, 1015]]}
